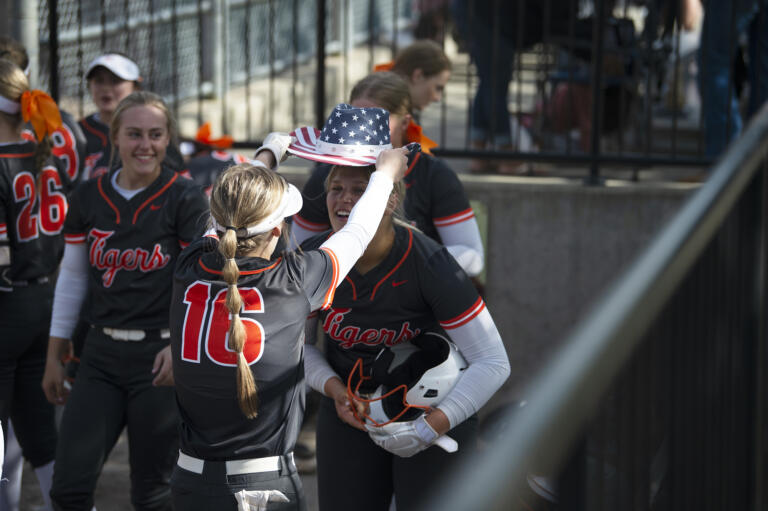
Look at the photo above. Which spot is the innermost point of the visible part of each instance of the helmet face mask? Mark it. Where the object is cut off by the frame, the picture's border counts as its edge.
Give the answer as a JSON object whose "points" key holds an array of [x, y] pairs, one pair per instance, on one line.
{"points": [[412, 376]]}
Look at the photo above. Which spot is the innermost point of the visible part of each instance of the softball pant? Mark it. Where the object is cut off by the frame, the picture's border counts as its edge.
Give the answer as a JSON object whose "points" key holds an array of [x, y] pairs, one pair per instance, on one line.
{"points": [[353, 473], [113, 389], [214, 488], [25, 317]]}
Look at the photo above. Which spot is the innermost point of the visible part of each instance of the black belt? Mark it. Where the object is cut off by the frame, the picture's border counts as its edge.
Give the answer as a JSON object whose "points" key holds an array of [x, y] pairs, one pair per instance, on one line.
{"points": [[31, 282]]}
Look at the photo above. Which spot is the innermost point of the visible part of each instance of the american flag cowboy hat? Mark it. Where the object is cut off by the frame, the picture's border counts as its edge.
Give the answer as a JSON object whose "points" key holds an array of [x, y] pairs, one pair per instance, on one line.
{"points": [[352, 136]]}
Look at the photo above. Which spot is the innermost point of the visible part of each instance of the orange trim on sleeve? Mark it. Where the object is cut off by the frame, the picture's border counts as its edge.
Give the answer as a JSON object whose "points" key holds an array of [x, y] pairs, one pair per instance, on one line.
{"points": [[456, 218], [328, 299], [465, 317], [75, 239]]}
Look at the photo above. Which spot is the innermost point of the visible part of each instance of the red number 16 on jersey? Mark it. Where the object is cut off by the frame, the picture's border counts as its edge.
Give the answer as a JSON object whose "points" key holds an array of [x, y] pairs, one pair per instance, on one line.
{"points": [[215, 334]]}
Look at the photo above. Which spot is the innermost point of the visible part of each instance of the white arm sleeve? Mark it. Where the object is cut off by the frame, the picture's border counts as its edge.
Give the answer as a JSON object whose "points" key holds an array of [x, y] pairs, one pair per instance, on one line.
{"points": [[317, 370], [71, 288], [350, 242], [465, 245], [480, 343]]}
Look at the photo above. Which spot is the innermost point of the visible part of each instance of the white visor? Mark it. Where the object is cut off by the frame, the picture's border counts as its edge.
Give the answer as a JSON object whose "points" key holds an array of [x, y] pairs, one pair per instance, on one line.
{"points": [[8, 106], [289, 205], [122, 67]]}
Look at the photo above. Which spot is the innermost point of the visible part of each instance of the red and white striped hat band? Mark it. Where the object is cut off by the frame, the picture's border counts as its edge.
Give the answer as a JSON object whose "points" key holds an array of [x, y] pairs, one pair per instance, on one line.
{"points": [[351, 136]]}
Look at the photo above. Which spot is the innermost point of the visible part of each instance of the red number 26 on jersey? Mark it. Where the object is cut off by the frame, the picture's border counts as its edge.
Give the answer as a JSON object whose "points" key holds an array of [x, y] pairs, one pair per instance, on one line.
{"points": [[214, 336]]}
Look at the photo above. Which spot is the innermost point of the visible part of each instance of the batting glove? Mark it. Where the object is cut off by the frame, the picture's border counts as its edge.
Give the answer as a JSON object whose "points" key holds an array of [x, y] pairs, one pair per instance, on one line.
{"points": [[277, 143], [258, 500], [404, 438]]}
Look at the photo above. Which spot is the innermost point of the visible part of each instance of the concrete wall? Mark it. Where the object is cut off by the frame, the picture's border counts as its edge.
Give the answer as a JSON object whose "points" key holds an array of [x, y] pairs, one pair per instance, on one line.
{"points": [[552, 246]]}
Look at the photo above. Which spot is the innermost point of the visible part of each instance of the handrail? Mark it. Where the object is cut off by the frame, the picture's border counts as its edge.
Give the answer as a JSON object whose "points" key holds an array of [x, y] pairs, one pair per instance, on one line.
{"points": [[566, 393]]}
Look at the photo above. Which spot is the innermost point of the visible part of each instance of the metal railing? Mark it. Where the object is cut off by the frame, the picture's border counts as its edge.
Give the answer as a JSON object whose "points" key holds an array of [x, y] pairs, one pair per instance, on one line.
{"points": [[657, 399], [253, 66]]}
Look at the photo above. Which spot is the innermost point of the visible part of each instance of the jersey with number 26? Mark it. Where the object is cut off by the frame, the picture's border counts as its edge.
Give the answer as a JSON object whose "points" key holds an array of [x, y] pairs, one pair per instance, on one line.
{"points": [[33, 206], [277, 296]]}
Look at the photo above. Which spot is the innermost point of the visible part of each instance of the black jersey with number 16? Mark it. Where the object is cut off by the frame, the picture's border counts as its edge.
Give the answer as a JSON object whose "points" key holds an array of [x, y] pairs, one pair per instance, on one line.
{"points": [[275, 293]]}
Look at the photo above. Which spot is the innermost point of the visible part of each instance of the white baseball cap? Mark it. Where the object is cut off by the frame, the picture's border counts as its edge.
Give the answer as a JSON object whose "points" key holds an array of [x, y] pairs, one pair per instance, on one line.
{"points": [[121, 66]]}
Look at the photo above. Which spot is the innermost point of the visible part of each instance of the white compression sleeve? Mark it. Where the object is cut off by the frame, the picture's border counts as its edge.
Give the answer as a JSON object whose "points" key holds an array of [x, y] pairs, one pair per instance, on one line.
{"points": [[71, 288], [350, 242], [463, 242], [480, 343], [316, 368]]}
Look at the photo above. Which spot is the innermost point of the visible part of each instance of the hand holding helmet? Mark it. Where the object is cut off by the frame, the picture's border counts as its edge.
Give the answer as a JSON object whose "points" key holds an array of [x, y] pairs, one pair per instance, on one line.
{"points": [[404, 439], [414, 378]]}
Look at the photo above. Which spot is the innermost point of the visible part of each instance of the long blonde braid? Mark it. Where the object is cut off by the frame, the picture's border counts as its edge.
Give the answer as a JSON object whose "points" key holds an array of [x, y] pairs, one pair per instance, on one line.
{"points": [[242, 196]]}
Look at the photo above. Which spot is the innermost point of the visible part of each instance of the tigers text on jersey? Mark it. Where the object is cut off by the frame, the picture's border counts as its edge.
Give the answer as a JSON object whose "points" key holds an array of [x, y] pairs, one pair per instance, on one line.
{"points": [[33, 207], [99, 149], [434, 196], [277, 296], [417, 288], [133, 245], [205, 169]]}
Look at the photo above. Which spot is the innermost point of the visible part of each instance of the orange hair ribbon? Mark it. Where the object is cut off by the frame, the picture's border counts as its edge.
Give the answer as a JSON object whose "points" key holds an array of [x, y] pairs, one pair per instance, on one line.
{"points": [[386, 66], [204, 137], [414, 133], [39, 109]]}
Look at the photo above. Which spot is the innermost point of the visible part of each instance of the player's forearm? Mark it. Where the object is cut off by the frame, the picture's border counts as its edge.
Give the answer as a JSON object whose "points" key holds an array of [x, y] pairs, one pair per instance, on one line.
{"points": [[464, 243], [71, 289], [58, 348], [317, 370], [470, 260], [481, 345]]}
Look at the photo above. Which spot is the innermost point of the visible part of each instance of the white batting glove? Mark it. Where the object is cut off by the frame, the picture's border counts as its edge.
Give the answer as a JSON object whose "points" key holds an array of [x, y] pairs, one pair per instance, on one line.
{"points": [[277, 143], [258, 500], [404, 438]]}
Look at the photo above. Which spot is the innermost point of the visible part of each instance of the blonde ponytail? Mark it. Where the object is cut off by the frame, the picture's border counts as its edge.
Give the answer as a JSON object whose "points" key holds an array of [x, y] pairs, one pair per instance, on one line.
{"points": [[247, 393]]}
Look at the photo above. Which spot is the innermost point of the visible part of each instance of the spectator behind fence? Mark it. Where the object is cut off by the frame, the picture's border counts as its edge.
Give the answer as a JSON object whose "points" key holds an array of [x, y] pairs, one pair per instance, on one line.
{"points": [[723, 24], [426, 68], [124, 232]]}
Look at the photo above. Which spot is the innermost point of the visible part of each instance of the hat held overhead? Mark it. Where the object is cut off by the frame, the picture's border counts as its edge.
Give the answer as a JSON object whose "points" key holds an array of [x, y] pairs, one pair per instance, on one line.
{"points": [[351, 136]]}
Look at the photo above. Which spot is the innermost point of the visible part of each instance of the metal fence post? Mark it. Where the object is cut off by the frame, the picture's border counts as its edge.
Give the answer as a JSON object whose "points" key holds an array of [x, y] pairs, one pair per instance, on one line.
{"points": [[220, 38], [27, 32], [320, 76]]}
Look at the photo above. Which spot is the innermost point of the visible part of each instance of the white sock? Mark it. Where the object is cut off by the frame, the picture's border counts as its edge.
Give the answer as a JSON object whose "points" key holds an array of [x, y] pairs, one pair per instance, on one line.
{"points": [[10, 489], [45, 478]]}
